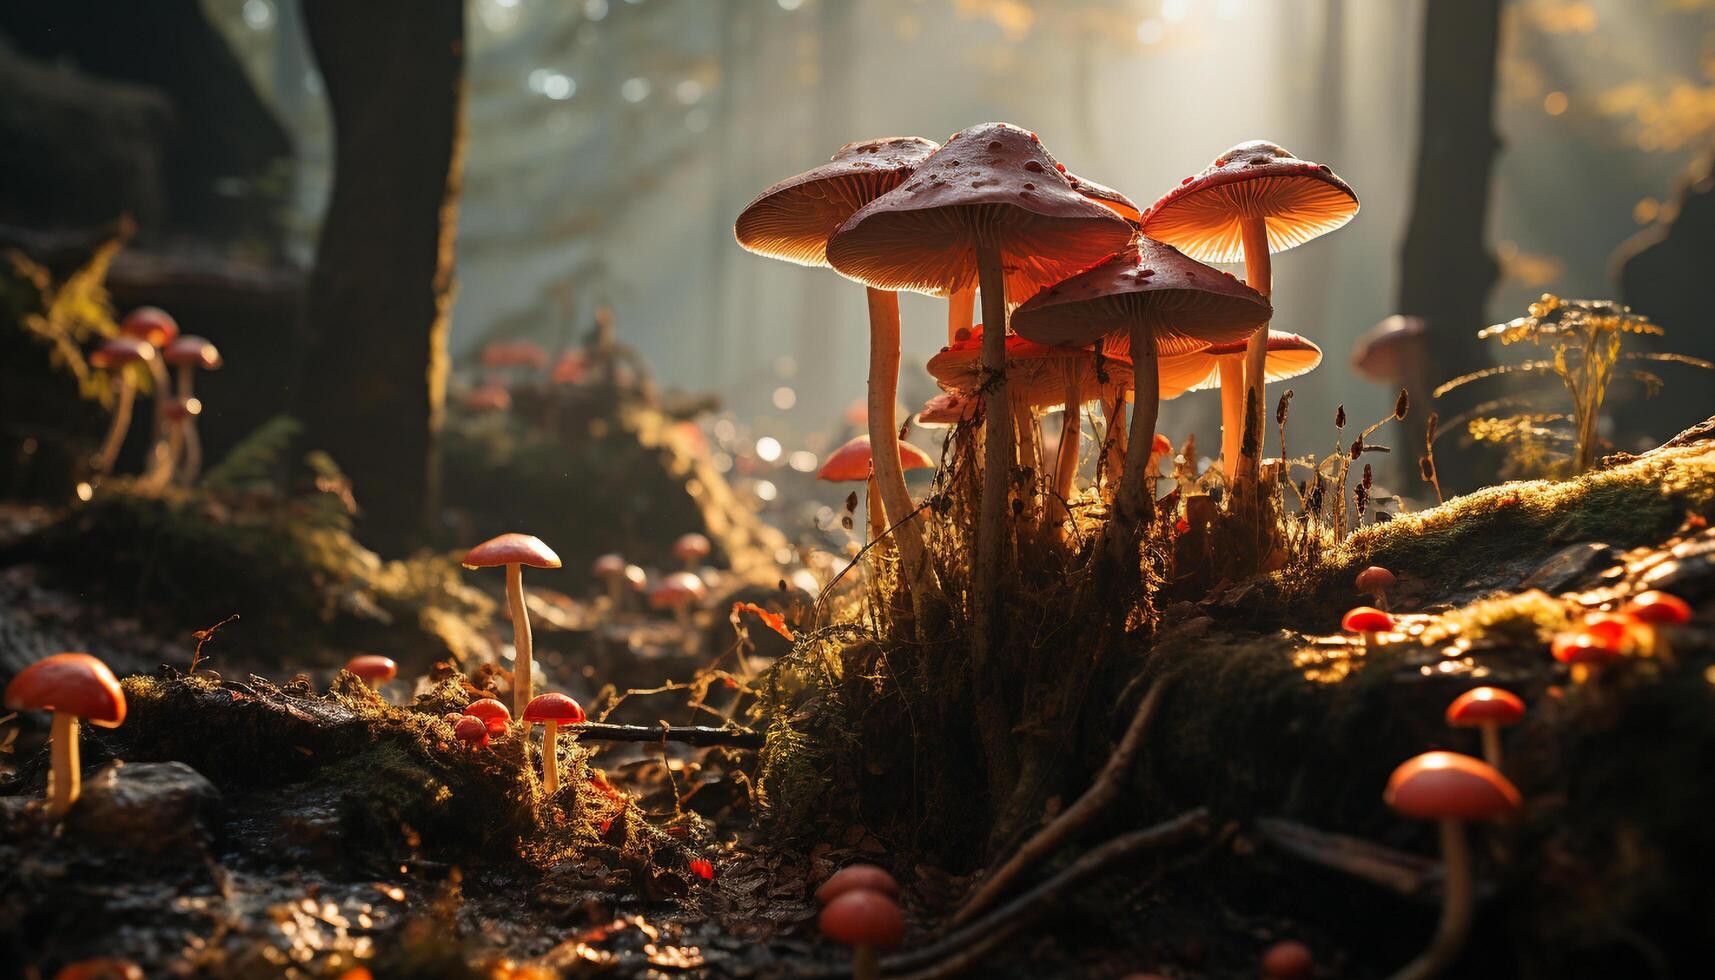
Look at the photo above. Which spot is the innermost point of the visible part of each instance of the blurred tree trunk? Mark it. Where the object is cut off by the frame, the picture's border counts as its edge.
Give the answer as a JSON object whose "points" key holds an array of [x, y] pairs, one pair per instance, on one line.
{"points": [[1447, 271], [381, 296]]}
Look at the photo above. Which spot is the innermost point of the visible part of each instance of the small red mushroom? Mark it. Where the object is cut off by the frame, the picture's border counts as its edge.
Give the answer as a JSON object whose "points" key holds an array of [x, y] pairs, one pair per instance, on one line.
{"points": [[1490, 709], [374, 669], [866, 877], [514, 551], [1375, 581], [552, 710], [471, 731], [116, 357], [867, 921], [492, 713], [691, 549], [1655, 610], [189, 354], [72, 686], [610, 570], [678, 592], [1587, 652], [1288, 960], [1368, 620]]}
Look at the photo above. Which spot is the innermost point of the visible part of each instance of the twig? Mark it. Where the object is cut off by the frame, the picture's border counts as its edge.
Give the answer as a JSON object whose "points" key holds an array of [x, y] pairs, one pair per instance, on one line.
{"points": [[698, 735], [1079, 815], [1405, 874]]}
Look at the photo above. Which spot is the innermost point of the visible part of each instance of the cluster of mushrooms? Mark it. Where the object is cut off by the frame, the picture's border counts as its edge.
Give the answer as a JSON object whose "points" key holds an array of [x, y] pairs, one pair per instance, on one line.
{"points": [[149, 341], [1083, 294]]}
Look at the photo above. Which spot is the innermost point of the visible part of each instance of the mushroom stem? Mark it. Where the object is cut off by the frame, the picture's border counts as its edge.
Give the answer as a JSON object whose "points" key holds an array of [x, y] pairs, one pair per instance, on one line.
{"points": [[1492, 744], [1135, 503], [1232, 368], [877, 518], [109, 453], [889, 472], [1066, 463], [866, 963], [550, 757], [65, 783], [521, 643], [959, 304], [1259, 276], [1372, 638], [162, 459], [997, 448], [1115, 462], [1455, 907]]}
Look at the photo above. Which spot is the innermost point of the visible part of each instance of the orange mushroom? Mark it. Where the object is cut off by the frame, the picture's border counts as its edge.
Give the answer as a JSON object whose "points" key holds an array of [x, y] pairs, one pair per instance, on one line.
{"points": [[375, 670], [73, 686], [857, 877], [1490, 709], [1655, 610], [867, 921], [853, 462], [514, 551], [552, 710], [1223, 366], [1368, 620], [1588, 652], [678, 592], [692, 548], [116, 357], [189, 354], [155, 327], [1376, 580]]}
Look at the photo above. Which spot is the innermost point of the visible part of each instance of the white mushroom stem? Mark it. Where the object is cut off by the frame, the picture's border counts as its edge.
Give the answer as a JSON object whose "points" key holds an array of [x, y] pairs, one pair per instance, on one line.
{"points": [[1258, 275], [521, 643], [550, 757], [889, 472], [1135, 503], [66, 781], [1455, 908], [1071, 433], [1491, 743], [109, 453], [959, 304], [1232, 368], [997, 448]]}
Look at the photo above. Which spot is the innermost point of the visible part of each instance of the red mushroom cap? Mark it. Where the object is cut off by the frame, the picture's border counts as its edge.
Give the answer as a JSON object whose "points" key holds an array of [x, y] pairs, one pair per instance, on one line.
{"points": [[491, 397], [492, 713], [1035, 371], [851, 461], [691, 547], [119, 352], [553, 706], [865, 877], [150, 324], [676, 589], [1297, 200], [1366, 619], [1615, 630], [1289, 960], [862, 918], [1586, 647], [1485, 706], [1660, 608], [514, 353], [1450, 786], [471, 731], [609, 564], [373, 667], [73, 683], [512, 549], [194, 351], [792, 219], [1375, 579]]}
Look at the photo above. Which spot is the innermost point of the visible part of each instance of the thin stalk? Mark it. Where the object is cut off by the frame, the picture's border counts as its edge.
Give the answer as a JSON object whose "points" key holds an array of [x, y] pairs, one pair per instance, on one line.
{"points": [[877, 518], [159, 470], [550, 758], [1071, 435], [521, 644], [1232, 368], [109, 453], [997, 450], [1492, 744], [1114, 461], [959, 305], [889, 472], [1135, 502], [1259, 276], [1455, 908], [65, 785]]}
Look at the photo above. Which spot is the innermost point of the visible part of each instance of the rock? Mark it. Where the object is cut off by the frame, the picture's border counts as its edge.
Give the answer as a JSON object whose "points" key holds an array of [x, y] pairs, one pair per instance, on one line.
{"points": [[1568, 566], [147, 807]]}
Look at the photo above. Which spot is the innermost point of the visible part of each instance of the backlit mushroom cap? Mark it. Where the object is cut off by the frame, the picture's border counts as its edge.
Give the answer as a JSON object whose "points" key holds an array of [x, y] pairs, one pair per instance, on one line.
{"points": [[793, 219], [856, 877], [372, 667], [514, 353], [1383, 353], [553, 707], [636, 577], [73, 683], [850, 462], [1375, 579], [1189, 305], [1450, 786], [472, 731], [1107, 197], [862, 918], [512, 549], [120, 351], [992, 181], [945, 410], [1289, 960], [492, 713], [1659, 608], [1297, 200], [609, 564], [150, 324], [691, 547], [1589, 647], [1485, 706], [677, 589], [1035, 371], [1289, 356], [1366, 619], [194, 351]]}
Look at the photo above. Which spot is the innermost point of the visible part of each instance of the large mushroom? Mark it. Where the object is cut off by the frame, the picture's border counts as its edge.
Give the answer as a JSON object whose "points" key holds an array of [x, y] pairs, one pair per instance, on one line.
{"points": [[73, 686], [116, 357], [792, 221], [1452, 790], [552, 710], [1223, 366], [514, 551], [852, 462], [188, 355], [1256, 198], [1160, 303]]}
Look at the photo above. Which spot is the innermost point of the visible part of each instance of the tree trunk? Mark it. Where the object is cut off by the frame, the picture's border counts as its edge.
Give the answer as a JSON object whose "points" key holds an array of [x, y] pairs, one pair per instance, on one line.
{"points": [[1447, 272], [381, 296]]}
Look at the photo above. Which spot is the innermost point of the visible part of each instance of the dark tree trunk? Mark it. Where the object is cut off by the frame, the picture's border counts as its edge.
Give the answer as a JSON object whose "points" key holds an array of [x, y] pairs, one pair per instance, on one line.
{"points": [[381, 295], [1447, 271]]}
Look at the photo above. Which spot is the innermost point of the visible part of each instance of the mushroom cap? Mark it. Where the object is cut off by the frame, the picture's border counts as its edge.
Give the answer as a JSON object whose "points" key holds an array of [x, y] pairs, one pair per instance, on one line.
{"points": [[1190, 305], [100, 968], [851, 461], [946, 410], [1366, 619], [862, 918], [72, 683], [195, 351], [512, 549], [1617, 630], [1034, 371], [553, 706], [1485, 706], [1589, 647], [1659, 608], [150, 324], [608, 565], [491, 397], [373, 667], [865, 877], [636, 577], [1297, 200], [471, 730], [514, 353], [1450, 786], [676, 589], [691, 546], [492, 713], [993, 182], [120, 351], [1289, 960], [1107, 197], [1375, 579], [793, 219], [1382, 353], [1289, 356]]}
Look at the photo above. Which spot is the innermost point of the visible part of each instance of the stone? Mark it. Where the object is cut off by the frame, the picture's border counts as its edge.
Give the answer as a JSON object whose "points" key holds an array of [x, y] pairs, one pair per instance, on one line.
{"points": [[146, 807]]}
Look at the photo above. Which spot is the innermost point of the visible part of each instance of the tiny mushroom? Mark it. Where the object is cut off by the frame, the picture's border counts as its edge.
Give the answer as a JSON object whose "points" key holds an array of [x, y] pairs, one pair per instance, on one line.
{"points": [[867, 921], [1588, 651], [692, 549], [1368, 620], [157, 328], [552, 710], [493, 714], [72, 686], [1655, 610], [116, 357], [610, 570], [189, 354], [1490, 709], [1375, 581], [515, 551], [678, 591], [471, 731], [856, 877], [1451, 789], [1288, 960], [636, 578], [374, 669], [851, 463]]}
